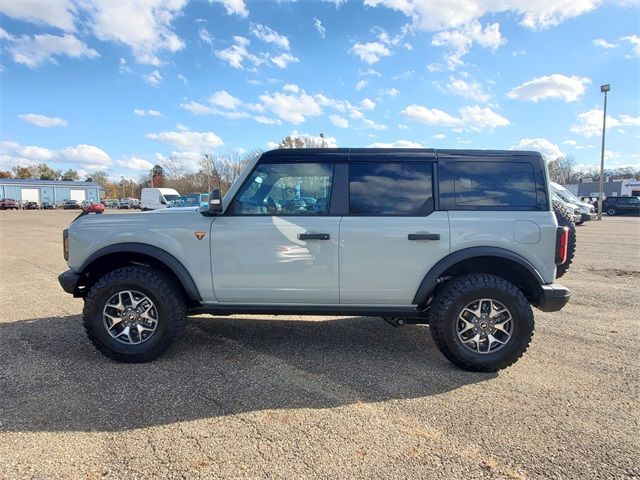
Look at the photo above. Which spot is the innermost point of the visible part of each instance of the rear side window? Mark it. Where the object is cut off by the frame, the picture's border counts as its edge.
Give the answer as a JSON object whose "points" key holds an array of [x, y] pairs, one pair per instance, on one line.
{"points": [[494, 184], [394, 188]]}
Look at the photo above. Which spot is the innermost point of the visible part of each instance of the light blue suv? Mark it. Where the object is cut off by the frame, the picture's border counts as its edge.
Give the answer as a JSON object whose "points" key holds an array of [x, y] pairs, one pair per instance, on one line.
{"points": [[465, 241]]}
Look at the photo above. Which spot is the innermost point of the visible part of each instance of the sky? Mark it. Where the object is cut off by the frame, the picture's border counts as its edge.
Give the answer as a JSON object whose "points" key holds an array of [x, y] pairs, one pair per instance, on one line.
{"points": [[119, 86]]}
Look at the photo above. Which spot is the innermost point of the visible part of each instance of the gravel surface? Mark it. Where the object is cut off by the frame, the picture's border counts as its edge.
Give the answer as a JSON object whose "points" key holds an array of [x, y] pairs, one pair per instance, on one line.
{"points": [[322, 397]]}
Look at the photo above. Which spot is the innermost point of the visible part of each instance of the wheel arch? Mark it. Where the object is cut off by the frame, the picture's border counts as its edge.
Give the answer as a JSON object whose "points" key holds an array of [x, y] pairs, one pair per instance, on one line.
{"points": [[493, 260], [120, 254]]}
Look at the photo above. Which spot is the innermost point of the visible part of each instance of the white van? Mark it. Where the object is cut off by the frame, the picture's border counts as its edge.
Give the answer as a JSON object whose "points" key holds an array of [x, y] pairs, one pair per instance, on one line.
{"points": [[155, 198]]}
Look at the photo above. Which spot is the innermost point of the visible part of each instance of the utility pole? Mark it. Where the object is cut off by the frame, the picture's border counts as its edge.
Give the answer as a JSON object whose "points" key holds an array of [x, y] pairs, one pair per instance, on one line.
{"points": [[122, 177], [603, 89]]}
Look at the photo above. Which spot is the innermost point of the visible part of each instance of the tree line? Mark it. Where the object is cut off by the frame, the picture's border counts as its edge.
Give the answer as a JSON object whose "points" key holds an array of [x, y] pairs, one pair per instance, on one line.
{"points": [[564, 171]]}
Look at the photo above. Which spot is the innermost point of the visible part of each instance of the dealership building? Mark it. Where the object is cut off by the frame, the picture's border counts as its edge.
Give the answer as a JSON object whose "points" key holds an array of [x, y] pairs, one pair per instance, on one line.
{"points": [[612, 188], [52, 191]]}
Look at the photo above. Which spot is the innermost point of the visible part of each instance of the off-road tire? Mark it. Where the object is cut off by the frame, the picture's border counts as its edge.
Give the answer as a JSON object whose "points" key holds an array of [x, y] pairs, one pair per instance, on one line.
{"points": [[563, 216], [163, 292], [449, 302]]}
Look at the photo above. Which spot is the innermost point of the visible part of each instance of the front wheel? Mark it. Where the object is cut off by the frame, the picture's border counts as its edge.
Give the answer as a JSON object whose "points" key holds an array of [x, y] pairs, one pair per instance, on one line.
{"points": [[611, 211], [133, 314], [481, 322]]}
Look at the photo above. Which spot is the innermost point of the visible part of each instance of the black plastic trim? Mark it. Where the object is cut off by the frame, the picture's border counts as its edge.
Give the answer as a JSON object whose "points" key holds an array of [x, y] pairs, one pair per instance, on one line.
{"points": [[314, 236], [161, 255], [423, 236], [69, 280], [431, 279], [226, 309], [553, 297]]}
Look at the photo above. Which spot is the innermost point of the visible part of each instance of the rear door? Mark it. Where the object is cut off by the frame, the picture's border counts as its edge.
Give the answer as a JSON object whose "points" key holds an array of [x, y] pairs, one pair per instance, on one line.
{"points": [[278, 241], [392, 235]]}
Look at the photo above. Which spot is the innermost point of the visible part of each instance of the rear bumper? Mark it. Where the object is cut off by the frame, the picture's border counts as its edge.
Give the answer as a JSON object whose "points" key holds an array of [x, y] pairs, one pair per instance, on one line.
{"points": [[69, 281], [553, 297]]}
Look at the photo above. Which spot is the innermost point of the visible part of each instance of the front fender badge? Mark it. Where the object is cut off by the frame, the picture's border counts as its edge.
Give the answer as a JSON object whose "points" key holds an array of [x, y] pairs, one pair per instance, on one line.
{"points": [[199, 235]]}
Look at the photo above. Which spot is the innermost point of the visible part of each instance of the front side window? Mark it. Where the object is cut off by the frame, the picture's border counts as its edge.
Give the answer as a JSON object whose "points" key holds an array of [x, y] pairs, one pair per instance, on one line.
{"points": [[394, 188], [494, 184], [287, 189]]}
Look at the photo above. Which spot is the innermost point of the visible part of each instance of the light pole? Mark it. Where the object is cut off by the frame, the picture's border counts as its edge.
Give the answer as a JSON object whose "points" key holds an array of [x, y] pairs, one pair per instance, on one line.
{"points": [[322, 138], [122, 186], [603, 89]]}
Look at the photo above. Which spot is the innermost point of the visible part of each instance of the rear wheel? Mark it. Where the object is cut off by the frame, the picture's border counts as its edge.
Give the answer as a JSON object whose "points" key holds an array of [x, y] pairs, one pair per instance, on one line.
{"points": [[133, 314], [481, 322], [564, 218], [612, 211]]}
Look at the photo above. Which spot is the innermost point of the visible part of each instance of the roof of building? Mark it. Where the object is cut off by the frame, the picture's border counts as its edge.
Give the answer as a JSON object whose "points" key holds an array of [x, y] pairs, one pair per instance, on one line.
{"points": [[60, 183]]}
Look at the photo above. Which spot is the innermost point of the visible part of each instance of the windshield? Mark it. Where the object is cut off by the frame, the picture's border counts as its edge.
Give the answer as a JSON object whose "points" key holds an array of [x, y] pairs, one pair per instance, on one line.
{"points": [[566, 195], [170, 198]]}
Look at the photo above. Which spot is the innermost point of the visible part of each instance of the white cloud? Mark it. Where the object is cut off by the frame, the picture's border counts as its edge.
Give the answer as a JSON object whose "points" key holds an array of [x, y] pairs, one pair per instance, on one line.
{"points": [[145, 27], [471, 90], [236, 54], [225, 100], [601, 42], [369, 72], [458, 42], [370, 52], [436, 16], [59, 14], [556, 86], [397, 144], [84, 154], [154, 78], [317, 24], [188, 140], [406, 75], [145, 113], [283, 60], [439, 136], [232, 7], [205, 36], [634, 40], [361, 84], [338, 121], [402, 126], [183, 79], [267, 120], [474, 118], [551, 151], [80, 156], [368, 104], [42, 120], [389, 92], [590, 122], [291, 87], [292, 108], [33, 51], [268, 35], [571, 143], [373, 125]]}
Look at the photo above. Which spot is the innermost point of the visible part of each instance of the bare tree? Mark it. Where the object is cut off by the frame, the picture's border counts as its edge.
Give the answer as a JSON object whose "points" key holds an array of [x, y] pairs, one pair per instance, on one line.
{"points": [[562, 170]]}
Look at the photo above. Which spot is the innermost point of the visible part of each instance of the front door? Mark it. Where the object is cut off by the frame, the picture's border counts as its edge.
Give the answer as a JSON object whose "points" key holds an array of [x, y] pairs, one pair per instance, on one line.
{"points": [[277, 243]]}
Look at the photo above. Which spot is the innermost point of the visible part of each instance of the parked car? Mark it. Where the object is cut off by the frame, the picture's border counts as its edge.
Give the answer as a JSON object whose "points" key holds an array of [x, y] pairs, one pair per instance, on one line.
{"points": [[124, 204], [587, 211], [112, 203], [94, 208], [624, 205], [134, 203], [48, 206], [572, 209], [71, 205], [31, 205], [9, 204], [465, 241]]}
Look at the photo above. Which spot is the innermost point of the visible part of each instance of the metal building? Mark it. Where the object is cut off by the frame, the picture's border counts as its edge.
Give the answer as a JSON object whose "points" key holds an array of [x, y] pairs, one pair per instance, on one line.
{"points": [[52, 191]]}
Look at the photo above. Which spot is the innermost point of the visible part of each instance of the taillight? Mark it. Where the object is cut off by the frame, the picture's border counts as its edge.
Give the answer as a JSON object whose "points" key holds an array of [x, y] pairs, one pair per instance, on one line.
{"points": [[562, 244]]}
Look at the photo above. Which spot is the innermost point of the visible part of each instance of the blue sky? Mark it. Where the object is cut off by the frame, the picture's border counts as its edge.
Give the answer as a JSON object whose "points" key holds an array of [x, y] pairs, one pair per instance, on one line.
{"points": [[119, 86]]}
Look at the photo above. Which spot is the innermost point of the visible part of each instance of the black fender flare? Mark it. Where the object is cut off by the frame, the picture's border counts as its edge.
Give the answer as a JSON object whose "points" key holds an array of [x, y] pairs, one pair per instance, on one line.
{"points": [[431, 278], [171, 262]]}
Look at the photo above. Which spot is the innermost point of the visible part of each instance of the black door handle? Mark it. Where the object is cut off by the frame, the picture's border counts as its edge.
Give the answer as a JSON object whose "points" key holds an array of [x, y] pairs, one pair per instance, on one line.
{"points": [[314, 236], [424, 236]]}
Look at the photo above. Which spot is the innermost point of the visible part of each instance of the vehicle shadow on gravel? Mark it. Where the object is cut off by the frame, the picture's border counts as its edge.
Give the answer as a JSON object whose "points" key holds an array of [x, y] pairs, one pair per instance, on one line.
{"points": [[52, 379]]}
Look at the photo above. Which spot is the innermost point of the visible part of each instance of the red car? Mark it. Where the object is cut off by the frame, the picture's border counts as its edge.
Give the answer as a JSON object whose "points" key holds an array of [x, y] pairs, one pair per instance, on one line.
{"points": [[94, 208], [9, 203]]}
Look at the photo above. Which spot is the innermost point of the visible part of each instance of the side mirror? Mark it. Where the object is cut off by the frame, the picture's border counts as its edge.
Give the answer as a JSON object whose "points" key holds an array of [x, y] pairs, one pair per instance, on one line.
{"points": [[215, 204]]}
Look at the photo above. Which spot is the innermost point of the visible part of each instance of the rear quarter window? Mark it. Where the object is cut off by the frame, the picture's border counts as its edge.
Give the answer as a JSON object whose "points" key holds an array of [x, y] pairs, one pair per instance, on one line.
{"points": [[494, 184]]}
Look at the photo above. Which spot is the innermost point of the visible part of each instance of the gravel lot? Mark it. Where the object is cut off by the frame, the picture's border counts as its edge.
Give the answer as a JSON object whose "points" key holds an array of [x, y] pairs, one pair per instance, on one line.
{"points": [[289, 397]]}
